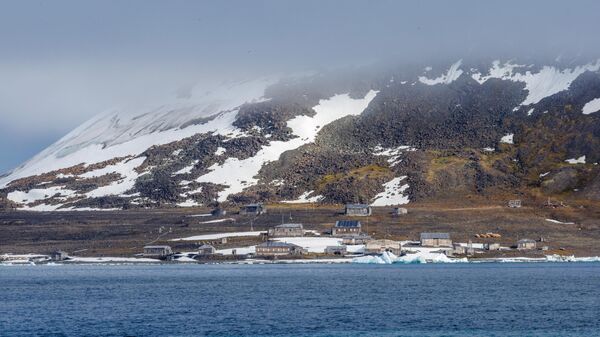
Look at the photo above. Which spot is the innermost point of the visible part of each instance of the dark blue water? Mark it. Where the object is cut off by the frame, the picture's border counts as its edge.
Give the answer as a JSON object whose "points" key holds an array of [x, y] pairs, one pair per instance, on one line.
{"points": [[302, 300]]}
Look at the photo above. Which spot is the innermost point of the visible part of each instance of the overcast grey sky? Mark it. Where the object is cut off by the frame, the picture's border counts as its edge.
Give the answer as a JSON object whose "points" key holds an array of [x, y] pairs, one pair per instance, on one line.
{"points": [[63, 61]]}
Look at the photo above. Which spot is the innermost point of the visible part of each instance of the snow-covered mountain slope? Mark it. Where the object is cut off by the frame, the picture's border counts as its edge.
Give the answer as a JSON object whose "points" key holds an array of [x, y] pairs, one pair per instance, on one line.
{"points": [[380, 138], [129, 131]]}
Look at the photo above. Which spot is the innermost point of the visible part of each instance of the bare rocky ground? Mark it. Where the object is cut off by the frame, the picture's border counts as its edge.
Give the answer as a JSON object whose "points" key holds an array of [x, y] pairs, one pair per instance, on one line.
{"points": [[124, 233]]}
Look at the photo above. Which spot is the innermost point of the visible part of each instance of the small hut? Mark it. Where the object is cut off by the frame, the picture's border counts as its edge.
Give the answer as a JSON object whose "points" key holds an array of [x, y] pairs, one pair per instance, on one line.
{"points": [[400, 211], [357, 210], [436, 240], [380, 246], [526, 244], [157, 251], [59, 255], [491, 246], [206, 250], [287, 230], [514, 203], [336, 250], [253, 209], [218, 212]]}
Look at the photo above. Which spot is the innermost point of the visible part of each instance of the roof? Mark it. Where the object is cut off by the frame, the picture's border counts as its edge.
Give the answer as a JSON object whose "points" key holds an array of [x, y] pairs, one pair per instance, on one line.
{"points": [[360, 236], [425, 236], [157, 247], [384, 242], [276, 244], [347, 223], [357, 206], [290, 225], [526, 241]]}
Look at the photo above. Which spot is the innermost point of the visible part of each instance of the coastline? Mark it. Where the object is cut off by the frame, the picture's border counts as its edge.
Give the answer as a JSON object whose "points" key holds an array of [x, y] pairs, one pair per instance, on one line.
{"points": [[385, 258]]}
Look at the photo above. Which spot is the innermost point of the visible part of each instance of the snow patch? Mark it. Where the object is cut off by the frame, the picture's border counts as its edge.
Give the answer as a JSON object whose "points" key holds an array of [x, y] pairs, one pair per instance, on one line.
{"points": [[219, 220], [239, 174], [580, 160], [220, 151], [453, 73], [188, 203], [547, 82], [38, 194], [129, 131], [187, 169], [217, 236], [394, 154], [560, 222], [304, 198], [393, 193], [591, 106], [127, 170], [508, 139]]}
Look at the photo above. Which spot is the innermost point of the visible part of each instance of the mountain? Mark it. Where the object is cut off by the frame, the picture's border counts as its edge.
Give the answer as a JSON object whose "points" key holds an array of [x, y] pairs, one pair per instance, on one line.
{"points": [[380, 135]]}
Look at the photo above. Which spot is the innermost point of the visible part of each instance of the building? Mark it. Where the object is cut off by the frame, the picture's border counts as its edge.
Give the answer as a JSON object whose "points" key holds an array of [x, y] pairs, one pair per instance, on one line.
{"points": [[218, 212], [253, 209], [346, 228], [287, 230], [400, 211], [436, 240], [380, 246], [157, 251], [219, 241], [458, 249], [525, 244], [59, 255], [336, 250], [357, 210], [275, 248], [491, 246], [206, 250], [514, 203], [359, 239]]}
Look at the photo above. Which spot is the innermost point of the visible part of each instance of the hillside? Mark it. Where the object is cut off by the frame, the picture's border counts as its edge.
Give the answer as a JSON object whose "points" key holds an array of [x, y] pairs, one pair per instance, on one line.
{"points": [[382, 136]]}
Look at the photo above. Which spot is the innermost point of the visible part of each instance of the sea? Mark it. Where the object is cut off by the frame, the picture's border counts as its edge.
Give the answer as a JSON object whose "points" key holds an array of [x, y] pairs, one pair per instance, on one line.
{"points": [[471, 299]]}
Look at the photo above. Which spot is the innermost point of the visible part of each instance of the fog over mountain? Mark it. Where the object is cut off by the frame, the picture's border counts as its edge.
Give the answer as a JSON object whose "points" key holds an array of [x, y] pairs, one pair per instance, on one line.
{"points": [[65, 61], [191, 103]]}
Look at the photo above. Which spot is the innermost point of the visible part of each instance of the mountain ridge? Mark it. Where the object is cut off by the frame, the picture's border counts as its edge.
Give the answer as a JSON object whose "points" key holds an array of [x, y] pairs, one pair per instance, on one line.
{"points": [[410, 134]]}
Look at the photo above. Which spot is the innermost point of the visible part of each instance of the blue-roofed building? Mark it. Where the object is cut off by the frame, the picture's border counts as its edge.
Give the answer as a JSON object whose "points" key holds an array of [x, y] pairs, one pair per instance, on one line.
{"points": [[357, 210], [346, 228]]}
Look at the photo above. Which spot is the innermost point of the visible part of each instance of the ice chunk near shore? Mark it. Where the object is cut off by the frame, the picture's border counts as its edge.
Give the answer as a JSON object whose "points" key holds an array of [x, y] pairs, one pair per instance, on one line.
{"points": [[571, 258], [420, 257]]}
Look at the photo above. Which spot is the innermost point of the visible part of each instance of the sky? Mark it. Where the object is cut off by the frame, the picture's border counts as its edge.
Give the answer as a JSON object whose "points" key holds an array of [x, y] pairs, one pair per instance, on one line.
{"points": [[62, 62]]}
